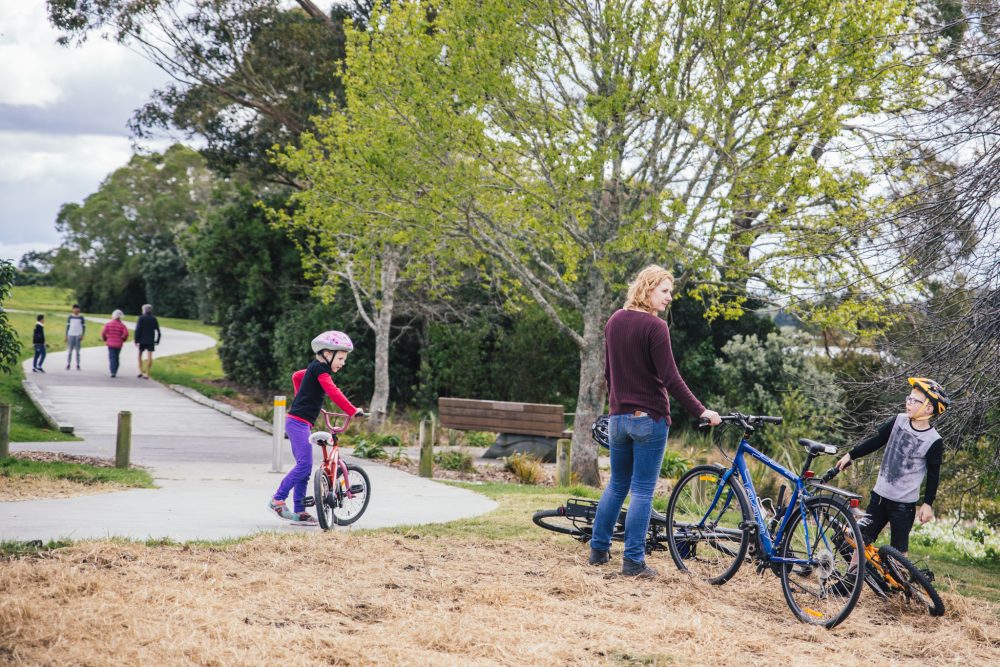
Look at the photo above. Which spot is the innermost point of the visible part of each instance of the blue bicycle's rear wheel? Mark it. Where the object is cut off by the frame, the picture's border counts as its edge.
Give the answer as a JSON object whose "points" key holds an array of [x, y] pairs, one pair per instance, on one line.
{"points": [[704, 532], [824, 588]]}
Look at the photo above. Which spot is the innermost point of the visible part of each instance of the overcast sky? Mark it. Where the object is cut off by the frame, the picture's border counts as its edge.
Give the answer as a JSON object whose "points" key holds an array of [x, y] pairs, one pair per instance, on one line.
{"points": [[63, 115]]}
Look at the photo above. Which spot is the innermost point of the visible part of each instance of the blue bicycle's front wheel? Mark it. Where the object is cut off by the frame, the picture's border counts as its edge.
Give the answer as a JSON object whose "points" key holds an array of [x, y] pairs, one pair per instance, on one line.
{"points": [[705, 519]]}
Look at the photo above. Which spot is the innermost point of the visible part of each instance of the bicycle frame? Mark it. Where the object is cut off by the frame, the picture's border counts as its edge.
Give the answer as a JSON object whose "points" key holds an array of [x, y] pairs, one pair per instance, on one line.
{"points": [[332, 460], [799, 496]]}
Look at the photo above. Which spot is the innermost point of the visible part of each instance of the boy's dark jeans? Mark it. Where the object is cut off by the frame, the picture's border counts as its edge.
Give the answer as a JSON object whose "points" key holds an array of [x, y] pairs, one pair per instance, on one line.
{"points": [[899, 516], [39, 356]]}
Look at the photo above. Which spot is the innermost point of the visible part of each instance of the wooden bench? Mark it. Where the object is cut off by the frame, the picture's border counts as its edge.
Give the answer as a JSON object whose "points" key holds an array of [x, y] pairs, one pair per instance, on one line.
{"points": [[464, 414]]}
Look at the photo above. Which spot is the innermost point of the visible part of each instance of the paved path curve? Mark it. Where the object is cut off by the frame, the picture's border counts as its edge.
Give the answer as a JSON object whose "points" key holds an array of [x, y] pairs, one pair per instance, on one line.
{"points": [[212, 471]]}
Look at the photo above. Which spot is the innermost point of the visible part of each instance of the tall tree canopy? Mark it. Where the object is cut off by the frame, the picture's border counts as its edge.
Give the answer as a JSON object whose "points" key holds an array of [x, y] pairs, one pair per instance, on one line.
{"points": [[572, 143], [247, 73], [124, 245]]}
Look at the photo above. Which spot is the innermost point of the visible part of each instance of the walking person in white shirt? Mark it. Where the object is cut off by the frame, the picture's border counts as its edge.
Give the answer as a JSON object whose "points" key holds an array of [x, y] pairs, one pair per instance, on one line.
{"points": [[76, 327]]}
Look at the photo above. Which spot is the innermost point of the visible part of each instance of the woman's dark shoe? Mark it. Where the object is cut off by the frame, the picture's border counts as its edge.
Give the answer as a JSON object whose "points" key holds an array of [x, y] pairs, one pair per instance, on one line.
{"points": [[599, 556], [632, 569]]}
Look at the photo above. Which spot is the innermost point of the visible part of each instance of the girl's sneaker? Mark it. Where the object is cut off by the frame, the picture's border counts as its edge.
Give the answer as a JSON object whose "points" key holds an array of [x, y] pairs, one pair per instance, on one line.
{"points": [[304, 519], [281, 509]]}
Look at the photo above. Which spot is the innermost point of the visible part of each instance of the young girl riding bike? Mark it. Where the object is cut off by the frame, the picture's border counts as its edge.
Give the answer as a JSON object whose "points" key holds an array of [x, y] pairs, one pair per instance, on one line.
{"points": [[312, 384]]}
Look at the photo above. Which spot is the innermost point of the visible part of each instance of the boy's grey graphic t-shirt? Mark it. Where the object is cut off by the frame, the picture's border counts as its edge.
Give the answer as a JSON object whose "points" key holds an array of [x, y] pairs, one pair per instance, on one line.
{"points": [[905, 461]]}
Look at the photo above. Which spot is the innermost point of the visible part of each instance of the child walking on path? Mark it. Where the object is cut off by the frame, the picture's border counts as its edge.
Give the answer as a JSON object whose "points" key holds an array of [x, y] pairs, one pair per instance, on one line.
{"points": [[914, 449], [38, 340], [312, 384]]}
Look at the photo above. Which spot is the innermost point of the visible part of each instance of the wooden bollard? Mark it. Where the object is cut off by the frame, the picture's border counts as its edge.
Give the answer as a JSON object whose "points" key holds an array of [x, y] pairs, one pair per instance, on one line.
{"points": [[4, 430], [426, 452], [564, 462], [123, 446]]}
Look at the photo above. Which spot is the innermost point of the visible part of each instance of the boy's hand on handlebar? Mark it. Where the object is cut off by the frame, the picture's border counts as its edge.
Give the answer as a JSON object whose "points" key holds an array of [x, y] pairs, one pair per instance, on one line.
{"points": [[359, 413], [711, 416], [844, 461]]}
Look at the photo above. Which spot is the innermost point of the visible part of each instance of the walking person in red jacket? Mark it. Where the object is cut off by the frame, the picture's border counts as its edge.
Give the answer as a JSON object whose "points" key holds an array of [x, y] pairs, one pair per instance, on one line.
{"points": [[115, 333]]}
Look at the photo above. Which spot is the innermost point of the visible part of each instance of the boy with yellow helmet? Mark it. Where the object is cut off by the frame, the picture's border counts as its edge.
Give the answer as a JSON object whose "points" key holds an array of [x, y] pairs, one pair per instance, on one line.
{"points": [[913, 451]]}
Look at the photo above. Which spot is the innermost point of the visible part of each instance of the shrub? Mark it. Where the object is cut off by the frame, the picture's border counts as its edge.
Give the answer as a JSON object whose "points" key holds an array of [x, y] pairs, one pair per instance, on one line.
{"points": [[373, 445], [674, 464], [454, 461], [525, 467], [480, 438], [974, 539]]}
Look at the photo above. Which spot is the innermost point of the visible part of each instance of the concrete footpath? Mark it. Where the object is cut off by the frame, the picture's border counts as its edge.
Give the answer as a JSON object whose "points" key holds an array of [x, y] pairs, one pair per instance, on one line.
{"points": [[212, 471]]}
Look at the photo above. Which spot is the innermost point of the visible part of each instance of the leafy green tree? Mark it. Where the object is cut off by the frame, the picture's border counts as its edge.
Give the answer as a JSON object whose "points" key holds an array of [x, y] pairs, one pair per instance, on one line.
{"points": [[574, 143], [10, 344], [122, 246], [247, 74]]}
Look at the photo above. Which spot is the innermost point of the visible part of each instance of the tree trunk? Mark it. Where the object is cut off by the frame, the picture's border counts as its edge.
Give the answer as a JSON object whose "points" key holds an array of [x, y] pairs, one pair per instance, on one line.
{"points": [[383, 328], [592, 392]]}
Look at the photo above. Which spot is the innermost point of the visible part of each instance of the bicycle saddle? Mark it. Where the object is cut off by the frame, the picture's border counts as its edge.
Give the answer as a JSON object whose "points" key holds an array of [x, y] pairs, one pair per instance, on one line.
{"points": [[320, 438], [817, 447]]}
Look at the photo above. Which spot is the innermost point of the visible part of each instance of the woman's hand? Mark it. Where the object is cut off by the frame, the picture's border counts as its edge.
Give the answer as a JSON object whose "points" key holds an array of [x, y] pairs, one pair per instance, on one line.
{"points": [[712, 416], [844, 461]]}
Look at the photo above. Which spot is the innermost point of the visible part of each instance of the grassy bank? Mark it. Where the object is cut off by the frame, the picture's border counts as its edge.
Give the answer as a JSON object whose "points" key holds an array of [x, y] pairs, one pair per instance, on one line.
{"points": [[14, 467]]}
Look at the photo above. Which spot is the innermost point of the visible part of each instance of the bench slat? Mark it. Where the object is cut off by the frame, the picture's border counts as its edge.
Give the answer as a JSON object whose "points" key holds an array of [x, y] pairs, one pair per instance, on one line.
{"points": [[502, 417], [502, 406]]}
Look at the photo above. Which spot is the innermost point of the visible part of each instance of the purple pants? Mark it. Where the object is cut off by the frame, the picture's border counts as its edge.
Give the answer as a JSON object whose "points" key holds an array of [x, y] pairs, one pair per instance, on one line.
{"points": [[298, 477]]}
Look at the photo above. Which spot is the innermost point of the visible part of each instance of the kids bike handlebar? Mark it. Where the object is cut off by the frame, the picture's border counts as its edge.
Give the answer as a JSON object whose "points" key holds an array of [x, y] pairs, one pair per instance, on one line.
{"points": [[339, 417]]}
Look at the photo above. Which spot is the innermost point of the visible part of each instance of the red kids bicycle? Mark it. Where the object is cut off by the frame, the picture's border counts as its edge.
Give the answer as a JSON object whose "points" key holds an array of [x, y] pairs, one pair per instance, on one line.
{"points": [[341, 490]]}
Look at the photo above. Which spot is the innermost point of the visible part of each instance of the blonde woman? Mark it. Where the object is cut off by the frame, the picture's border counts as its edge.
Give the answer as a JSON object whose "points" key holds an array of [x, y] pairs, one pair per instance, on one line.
{"points": [[640, 370]]}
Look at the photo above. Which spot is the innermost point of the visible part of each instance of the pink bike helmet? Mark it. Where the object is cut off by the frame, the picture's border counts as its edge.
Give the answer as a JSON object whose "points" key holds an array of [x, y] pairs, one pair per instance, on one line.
{"points": [[335, 341]]}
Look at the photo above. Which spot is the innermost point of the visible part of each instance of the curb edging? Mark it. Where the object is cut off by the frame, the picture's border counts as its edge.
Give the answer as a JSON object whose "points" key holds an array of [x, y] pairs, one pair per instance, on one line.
{"points": [[45, 407], [224, 408]]}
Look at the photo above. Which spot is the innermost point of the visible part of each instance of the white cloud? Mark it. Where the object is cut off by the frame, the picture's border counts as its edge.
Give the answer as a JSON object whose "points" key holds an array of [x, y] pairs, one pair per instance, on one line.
{"points": [[63, 120]]}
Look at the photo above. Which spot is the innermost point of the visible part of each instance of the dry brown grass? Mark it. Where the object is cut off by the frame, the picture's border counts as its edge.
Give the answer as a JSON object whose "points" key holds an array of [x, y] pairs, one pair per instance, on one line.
{"points": [[396, 598]]}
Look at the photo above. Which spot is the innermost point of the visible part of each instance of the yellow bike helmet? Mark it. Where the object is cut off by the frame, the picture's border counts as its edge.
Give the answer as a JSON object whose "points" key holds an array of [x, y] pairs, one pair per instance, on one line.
{"points": [[934, 392]]}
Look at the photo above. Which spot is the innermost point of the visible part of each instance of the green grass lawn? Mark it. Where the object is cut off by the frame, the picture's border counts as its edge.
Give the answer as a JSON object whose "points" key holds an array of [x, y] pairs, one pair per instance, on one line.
{"points": [[75, 472], [27, 424]]}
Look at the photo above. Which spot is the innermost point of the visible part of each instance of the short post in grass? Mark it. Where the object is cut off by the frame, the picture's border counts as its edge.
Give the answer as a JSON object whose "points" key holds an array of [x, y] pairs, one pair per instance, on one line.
{"points": [[564, 461], [426, 452], [123, 446], [4, 430], [277, 433]]}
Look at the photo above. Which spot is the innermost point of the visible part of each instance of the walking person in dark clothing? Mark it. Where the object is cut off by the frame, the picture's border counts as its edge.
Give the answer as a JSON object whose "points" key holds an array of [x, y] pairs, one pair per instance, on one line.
{"points": [[38, 339], [640, 370], [147, 337]]}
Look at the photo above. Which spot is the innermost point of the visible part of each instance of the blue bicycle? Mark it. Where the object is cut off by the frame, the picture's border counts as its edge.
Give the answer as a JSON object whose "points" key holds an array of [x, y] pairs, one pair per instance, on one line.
{"points": [[715, 521]]}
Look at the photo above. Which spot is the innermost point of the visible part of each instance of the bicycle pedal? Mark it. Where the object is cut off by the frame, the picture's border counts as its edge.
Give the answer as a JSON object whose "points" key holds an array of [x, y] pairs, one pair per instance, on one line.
{"points": [[357, 488], [927, 573], [308, 501]]}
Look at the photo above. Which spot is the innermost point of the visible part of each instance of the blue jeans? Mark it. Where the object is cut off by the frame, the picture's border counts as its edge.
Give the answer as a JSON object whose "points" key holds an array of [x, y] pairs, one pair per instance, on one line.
{"points": [[637, 445], [39, 356], [114, 356]]}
